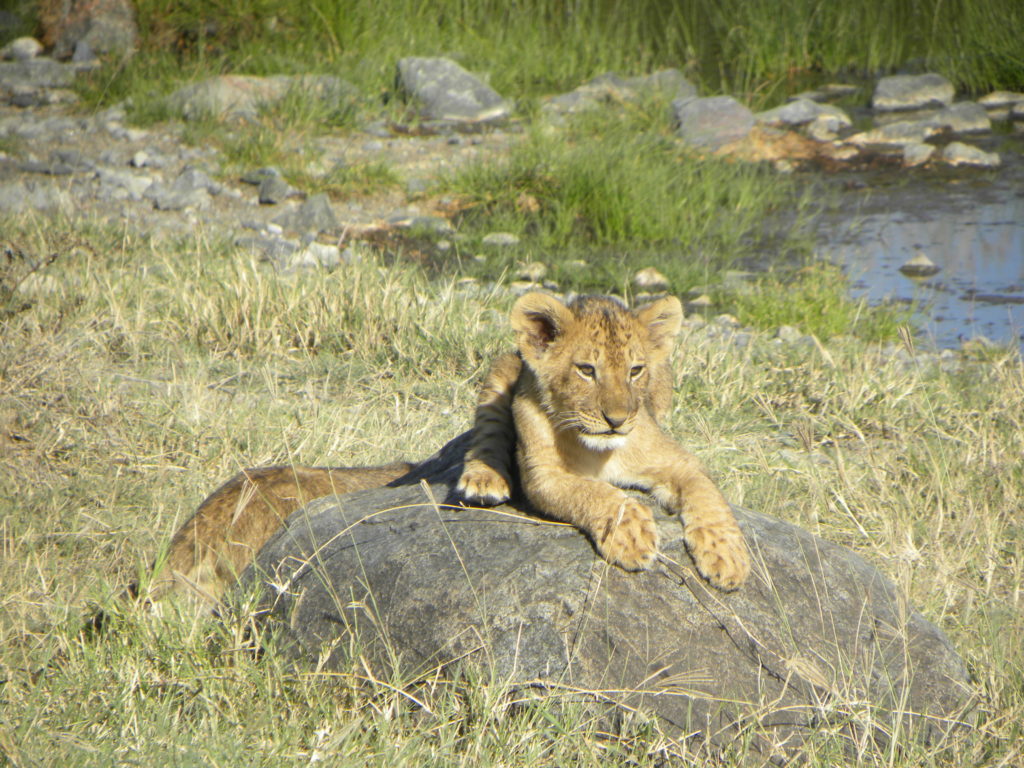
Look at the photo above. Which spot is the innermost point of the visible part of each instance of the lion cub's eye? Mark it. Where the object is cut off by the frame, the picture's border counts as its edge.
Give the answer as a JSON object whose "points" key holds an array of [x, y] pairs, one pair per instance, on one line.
{"points": [[585, 370], [635, 371]]}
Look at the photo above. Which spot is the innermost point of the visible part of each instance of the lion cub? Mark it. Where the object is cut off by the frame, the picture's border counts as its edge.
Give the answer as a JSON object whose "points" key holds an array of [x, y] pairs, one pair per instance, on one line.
{"points": [[581, 402]]}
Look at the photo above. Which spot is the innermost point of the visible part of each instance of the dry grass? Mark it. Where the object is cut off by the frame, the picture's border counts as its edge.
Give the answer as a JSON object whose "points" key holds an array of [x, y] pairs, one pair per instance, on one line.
{"points": [[136, 375]]}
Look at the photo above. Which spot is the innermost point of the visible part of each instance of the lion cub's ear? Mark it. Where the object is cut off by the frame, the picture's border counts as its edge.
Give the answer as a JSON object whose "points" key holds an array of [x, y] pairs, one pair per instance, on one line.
{"points": [[538, 320], [662, 318]]}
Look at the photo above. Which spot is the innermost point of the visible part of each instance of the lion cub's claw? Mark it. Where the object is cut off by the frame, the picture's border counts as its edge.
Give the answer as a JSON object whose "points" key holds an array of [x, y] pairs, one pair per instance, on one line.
{"points": [[720, 553], [628, 537], [483, 485]]}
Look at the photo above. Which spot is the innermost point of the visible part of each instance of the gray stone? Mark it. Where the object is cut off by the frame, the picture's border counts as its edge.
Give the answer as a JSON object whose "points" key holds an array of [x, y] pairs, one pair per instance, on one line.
{"points": [[445, 91], [788, 334], [827, 92], [1001, 99], [23, 196], [919, 266], [500, 239], [260, 175], [958, 153], [803, 111], [117, 185], [713, 122], [106, 26], [35, 73], [314, 215], [312, 255], [269, 248], [611, 88], [963, 117], [897, 134], [816, 638], [191, 189], [274, 189], [21, 49], [912, 92], [917, 153]]}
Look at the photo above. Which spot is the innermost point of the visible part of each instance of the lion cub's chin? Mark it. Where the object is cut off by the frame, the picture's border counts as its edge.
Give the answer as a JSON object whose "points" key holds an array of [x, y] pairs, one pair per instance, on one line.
{"points": [[603, 442]]}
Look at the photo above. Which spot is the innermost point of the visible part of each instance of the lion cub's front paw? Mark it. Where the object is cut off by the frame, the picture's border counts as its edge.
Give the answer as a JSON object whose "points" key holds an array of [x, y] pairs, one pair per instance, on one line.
{"points": [[482, 484], [720, 553], [628, 536]]}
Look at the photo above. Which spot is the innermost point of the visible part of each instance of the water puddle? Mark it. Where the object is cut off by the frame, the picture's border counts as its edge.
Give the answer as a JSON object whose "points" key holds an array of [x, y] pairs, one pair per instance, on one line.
{"points": [[969, 223]]}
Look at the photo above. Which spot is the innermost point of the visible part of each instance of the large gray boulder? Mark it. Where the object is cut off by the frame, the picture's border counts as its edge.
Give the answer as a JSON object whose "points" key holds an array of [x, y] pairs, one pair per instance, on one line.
{"points": [[817, 640], [712, 122], [446, 92]]}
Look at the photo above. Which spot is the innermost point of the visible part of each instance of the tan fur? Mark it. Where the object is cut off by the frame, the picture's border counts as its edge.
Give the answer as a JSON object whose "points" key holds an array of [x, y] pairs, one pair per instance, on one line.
{"points": [[581, 402], [208, 553]]}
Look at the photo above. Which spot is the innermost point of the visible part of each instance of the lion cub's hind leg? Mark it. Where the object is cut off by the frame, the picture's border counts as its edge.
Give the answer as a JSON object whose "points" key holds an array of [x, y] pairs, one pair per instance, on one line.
{"points": [[487, 473]]}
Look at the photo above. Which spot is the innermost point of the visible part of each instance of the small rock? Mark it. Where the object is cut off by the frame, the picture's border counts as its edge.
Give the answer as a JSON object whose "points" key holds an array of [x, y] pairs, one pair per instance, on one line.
{"points": [[899, 92], [314, 215], [898, 133], [1001, 99], [612, 88], [446, 91], [140, 159], [534, 272], [699, 303], [273, 190], [916, 154], [958, 153], [270, 248], [21, 49], [651, 280], [824, 128], [919, 266], [120, 185], [803, 111], [501, 239], [964, 117], [260, 175], [313, 255], [711, 123], [788, 334], [827, 92]]}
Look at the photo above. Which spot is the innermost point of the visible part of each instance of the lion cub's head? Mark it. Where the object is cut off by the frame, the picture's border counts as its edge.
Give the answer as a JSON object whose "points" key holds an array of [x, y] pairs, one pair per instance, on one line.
{"points": [[597, 362]]}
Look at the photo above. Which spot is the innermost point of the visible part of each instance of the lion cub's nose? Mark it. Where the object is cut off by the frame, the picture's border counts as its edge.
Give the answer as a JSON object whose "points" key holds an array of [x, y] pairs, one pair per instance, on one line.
{"points": [[615, 420]]}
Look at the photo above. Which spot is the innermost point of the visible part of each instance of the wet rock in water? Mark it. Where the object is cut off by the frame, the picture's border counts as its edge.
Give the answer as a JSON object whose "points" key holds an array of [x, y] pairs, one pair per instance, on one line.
{"points": [[917, 153], [106, 26], [651, 280], [314, 215], [919, 266], [447, 92], [500, 239], [896, 134], [899, 92], [21, 49], [803, 111], [963, 117], [816, 638], [958, 153], [710, 123]]}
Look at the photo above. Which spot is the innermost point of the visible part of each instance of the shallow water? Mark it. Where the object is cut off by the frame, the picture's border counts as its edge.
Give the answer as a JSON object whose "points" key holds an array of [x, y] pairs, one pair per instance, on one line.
{"points": [[970, 223]]}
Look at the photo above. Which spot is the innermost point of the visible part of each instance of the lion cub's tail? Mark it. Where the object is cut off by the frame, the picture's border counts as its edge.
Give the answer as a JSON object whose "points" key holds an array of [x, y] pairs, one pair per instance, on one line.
{"points": [[210, 551]]}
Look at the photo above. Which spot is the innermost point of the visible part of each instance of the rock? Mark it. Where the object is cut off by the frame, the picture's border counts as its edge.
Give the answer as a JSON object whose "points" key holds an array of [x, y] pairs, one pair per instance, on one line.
{"points": [[699, 303], [919, 266], [447, 92], [35, 73], [314, 215], [500, 239], [803, 111], [21, 49], [710, 123], [817, 637], [611, 88], [912, 92], [191, 189], [260, 175], [917, 153], [274, 249], [241, 97], [119, 185], [651, 280], [140, 159], [957, 153], [727, 321], [898, 133], [273, 190], [827, 92], [314, 254], [23, 196], [788, 334], [1001, 99], [963, 117], [106, 26], [533, 272]]}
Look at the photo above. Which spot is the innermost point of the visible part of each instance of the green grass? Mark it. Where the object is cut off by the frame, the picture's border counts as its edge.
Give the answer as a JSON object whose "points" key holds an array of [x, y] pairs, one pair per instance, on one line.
{"points": [[760, 50], [137, 374]]}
